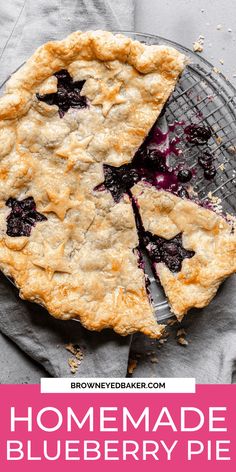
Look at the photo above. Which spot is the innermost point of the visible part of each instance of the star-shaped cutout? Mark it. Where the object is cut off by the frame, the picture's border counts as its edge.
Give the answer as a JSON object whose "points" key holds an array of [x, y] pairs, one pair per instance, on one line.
{"points": [[108, 97], [60, 203], [67, 95], [75, 151], [23, 217], [53, 260], [169, 251]]}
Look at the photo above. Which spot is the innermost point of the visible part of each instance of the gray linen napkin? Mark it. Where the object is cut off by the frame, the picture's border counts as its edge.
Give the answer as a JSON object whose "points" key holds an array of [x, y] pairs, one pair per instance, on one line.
{"points": [[24, 25], [210, 356]]}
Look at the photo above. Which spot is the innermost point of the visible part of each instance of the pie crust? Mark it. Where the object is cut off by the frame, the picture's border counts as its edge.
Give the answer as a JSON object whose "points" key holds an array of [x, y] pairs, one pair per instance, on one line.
{"points": [[81, 261], [206, 233]]}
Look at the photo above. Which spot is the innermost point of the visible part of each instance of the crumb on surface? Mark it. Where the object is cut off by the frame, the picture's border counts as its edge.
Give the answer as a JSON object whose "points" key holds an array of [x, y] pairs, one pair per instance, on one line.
{"points": [[219, 139], [132, 365], [182, 341], [154, 360], [219, 27], [222, 61], [75, 350], [74, 362], [181, 332], [215, 201], [74, 365], [232, 149], [197, 46]]}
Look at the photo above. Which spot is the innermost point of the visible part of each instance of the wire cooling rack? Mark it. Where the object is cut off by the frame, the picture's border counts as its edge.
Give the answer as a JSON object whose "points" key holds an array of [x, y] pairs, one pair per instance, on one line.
{"points": [[202, 95]]}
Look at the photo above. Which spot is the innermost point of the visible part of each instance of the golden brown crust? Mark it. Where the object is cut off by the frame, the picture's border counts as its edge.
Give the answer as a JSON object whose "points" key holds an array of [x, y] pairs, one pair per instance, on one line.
{"points": [[204, 232], [81, 262]]}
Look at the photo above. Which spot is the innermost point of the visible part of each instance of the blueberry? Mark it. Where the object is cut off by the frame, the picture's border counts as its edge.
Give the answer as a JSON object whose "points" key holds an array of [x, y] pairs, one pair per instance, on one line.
{"points": [[197, 134], [205, 160], [183, 193], [184, 175], [210, 173]]}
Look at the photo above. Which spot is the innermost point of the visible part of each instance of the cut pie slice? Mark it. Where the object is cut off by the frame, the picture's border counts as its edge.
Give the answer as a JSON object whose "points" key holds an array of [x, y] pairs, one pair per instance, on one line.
{"points": [[192, 248], [76, 105]]}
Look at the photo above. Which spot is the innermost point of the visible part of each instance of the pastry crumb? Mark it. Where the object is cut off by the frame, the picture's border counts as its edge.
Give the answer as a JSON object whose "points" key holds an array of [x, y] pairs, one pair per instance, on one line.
{"points": [[216, 70], [222, 167], [132, 366], [74, 362], [215, 201], [154, 360], [75, 350], [181, 332], [182, 341], [222, 61], [197, 46], [74, 365], [232, 149], [219, 27]]}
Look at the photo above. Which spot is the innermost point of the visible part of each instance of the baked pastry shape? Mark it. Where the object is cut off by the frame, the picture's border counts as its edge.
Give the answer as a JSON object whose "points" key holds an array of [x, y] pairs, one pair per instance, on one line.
{"points": [[76, 105], [192, 248]]}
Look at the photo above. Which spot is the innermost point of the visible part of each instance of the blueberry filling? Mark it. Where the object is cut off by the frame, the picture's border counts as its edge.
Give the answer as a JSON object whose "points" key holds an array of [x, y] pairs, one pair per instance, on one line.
{"points": [[206, 161], [148, 165], [67, 95], [197, 134], [171, 252], [118, 180], [23, 217]]}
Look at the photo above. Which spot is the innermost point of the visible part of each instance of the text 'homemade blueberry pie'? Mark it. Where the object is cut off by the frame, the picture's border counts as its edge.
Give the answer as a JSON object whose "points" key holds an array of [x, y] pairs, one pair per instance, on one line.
{"points": [[81, 197]]}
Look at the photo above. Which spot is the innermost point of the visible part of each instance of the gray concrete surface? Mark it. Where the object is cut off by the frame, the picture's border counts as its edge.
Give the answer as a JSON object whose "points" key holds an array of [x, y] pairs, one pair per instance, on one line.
{"points": [[182, 21]]}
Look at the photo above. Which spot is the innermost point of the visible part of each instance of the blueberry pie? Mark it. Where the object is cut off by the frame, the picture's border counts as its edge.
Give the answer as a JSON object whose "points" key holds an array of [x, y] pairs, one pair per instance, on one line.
{"points": [[77, 186]]}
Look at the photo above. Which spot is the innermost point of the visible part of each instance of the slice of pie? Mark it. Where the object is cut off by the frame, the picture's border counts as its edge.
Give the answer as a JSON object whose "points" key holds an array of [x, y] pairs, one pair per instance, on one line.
{"points": [[192, 248], [76, 110]]}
